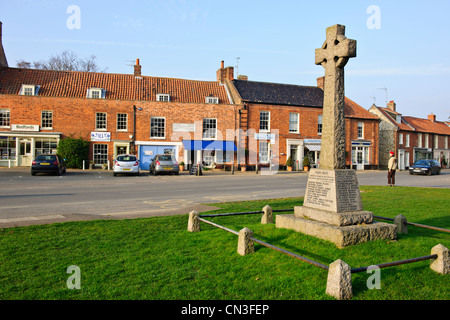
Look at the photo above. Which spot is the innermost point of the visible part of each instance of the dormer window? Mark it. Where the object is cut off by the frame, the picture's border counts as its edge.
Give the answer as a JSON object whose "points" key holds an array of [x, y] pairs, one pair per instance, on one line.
{"points": [[213, 100], [163, 97], [399, 118], [96, 93], [29, 90]]}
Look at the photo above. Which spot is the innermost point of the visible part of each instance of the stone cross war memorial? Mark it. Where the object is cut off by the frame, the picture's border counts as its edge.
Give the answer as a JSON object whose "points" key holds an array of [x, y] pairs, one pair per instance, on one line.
{"points": [[332, 208]]}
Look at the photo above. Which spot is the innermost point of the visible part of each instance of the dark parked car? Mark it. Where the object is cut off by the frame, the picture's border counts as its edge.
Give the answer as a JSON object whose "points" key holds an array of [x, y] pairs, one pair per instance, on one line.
{"points": [[425, 167], [48, 163], [164, 163]]}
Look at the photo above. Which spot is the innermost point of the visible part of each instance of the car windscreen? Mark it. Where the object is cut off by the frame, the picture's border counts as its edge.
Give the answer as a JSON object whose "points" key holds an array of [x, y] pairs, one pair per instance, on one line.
{"points": [[126, 158], [423, 162], [165, 158], [46, 158]]}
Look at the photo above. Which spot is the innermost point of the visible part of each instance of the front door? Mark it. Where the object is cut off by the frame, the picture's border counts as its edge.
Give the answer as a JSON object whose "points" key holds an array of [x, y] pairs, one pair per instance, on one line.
{"points": [[401, 159], [294, 157], [25, 155], [360, 158]]}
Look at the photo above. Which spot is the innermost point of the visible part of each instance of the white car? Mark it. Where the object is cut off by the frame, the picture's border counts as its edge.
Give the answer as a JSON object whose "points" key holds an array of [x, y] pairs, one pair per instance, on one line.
{"points": [[126, 163]]}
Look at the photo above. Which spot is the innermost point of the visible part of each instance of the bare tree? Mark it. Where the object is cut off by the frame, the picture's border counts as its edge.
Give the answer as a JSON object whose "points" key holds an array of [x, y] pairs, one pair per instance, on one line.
{"points": [[66, 61]]}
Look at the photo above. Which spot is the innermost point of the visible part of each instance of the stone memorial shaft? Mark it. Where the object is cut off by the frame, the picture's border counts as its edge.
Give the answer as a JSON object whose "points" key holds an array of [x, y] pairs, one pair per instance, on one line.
{"points": [[333, 56]]}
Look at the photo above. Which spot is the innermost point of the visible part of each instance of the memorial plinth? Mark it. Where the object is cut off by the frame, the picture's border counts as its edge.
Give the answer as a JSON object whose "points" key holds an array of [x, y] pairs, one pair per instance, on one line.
{"points": [[332, 210]]}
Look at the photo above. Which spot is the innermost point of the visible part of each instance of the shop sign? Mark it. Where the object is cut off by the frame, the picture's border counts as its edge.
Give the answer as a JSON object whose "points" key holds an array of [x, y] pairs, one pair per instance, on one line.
{"points": [[101, 136], [25, 127]]}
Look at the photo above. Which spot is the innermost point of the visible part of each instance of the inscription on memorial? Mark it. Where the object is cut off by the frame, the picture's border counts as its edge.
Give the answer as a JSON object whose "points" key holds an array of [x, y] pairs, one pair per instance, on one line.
{"points": [[333, 190]]}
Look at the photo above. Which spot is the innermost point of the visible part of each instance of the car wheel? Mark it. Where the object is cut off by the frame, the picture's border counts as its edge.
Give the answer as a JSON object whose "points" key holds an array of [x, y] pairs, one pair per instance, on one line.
{"points": [[429, 172], [411, 173], [115, 174], [33, 173]]}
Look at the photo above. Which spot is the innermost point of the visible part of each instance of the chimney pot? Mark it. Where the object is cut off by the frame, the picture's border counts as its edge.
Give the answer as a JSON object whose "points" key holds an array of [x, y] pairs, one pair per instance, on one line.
{"points": [[222, 65], [391, 105]]}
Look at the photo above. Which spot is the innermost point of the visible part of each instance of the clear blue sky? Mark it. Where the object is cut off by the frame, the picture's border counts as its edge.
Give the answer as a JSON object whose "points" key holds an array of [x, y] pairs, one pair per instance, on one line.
{"points": [[404, 49]]}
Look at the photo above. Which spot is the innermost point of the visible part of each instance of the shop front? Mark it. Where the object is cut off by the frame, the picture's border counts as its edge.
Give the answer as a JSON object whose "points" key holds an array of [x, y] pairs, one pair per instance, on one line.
{"points": [[208, 152], [361, 151], [18, 149]]}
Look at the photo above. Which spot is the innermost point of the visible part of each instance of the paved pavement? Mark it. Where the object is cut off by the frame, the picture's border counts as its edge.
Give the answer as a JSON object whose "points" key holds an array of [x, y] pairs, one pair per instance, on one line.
{"points": [[96, 194]]}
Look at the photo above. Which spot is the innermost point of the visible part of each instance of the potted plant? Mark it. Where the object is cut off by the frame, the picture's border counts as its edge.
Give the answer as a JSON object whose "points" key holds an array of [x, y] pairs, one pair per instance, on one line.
{"points": [[289, 163], [306, 163], [243, 167], [181, 165]]}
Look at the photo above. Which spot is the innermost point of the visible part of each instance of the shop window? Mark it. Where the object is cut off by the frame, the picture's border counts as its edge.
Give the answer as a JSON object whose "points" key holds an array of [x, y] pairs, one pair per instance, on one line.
{"points": [[5, 118], [43, 145], [100, 121], [47, 119], [209, 128], [157, 127], [7, 148], [100, 153], [122, 122]]}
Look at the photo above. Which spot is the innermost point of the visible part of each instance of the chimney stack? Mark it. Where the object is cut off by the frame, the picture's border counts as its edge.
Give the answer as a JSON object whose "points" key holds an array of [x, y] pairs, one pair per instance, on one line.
{"points": [[224, 74], [432, 117], [321, 82], [391, 105], [137, 69], [3, 61]]}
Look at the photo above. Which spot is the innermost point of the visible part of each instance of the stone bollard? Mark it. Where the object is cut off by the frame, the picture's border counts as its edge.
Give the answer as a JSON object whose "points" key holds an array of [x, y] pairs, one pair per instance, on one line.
{"points": [[442, 263], [339, 283], [401, 223], [193, 222], [245, 244], [267, 215]]}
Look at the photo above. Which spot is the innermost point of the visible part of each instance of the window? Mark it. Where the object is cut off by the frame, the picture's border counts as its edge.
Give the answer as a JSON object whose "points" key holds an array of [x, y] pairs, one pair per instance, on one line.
{"points": [[263, 152], [96, 93], [293, 123], [209, 128], [100, 153], [407, 140], [360, 130], [5, 118], [122, 122], [157, 127], [419, 140], [43, 145], [7, 148], [446, 142], [47, 119], [436, 141], [163, 97], [264, 121], [100, 121], [426, 140], [319, 124], [400, 138], [29, 90], [214, 100]]}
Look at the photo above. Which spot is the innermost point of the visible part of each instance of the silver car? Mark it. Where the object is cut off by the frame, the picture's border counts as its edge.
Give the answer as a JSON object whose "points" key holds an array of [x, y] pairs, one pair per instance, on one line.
{"points": [[126, 163], [164, 163]]}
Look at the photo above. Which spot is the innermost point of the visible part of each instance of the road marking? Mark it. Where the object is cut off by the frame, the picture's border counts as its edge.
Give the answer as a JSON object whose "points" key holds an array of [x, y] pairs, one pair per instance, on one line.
{"points": [[50, 217]]}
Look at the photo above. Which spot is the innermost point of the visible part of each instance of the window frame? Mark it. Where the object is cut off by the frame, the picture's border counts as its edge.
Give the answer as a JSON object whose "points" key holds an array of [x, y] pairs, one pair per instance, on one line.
{"points": [[156, 127], [45, 120], [319, 124], [261, 121], [5, 118], [212, 100], [98, 121], [100, 156], [206, 133], [297, 123], [163, 97], [360, 130], [122, 123]]}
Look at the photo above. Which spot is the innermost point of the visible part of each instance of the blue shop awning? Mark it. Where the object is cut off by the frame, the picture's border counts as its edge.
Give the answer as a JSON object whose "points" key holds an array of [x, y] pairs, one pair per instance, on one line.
{"points": [[209, 145]]}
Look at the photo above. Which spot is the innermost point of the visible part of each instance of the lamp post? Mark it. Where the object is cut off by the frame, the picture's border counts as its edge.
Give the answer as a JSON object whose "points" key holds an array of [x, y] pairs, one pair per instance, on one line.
{"points": [[133, 142]]}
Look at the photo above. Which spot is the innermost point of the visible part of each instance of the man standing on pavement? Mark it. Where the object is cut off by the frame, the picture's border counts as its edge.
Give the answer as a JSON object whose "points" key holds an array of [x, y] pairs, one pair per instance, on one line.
{"points": [[392, 166]]}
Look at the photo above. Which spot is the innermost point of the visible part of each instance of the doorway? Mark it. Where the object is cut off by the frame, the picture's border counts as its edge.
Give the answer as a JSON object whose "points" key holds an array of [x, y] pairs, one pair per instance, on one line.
{"points": [[25, 154]]}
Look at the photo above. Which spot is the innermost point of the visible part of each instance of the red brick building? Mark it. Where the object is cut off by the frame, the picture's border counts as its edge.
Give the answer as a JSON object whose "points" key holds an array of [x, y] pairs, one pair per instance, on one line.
{"points": [[285, 120], [411, 138]]}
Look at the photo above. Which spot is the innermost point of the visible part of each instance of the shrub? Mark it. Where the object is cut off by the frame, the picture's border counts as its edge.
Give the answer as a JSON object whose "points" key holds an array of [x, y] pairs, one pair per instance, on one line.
{"points": [[289, 162], [74, 151]]}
